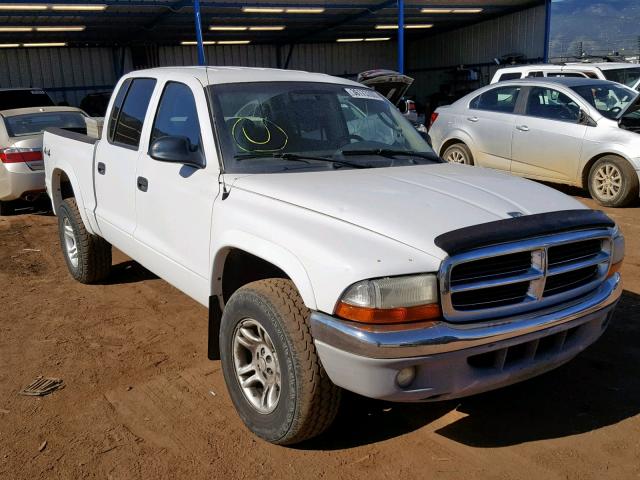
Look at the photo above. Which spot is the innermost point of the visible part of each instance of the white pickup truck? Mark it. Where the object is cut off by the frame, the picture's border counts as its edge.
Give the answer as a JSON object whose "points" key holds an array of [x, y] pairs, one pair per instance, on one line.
{"points": [[333, 248]]}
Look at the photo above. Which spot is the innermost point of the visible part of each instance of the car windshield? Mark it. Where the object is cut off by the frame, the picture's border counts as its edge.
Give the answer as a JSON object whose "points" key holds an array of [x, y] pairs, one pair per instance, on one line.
{"points": [[609, 99], [33, 123], [626, 76], [284, 126]]}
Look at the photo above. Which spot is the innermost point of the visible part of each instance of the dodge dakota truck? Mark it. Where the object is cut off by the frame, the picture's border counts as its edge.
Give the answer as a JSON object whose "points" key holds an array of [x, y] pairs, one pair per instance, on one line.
{"points": [[332, 247]]}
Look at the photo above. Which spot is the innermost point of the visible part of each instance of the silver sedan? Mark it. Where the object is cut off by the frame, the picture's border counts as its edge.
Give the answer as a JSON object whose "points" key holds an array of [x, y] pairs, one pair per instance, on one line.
{"points": [[576, 131]]}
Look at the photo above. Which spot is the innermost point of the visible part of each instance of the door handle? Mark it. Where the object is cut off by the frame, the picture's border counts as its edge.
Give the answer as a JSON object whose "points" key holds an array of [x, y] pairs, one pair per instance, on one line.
{"points": [[143, 184], [473, 119], [101, 168], [522, 128]]}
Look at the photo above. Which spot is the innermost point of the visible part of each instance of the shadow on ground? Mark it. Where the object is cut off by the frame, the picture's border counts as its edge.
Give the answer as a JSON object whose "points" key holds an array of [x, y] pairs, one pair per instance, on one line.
{"points": [[128, 272], [598, 388]]}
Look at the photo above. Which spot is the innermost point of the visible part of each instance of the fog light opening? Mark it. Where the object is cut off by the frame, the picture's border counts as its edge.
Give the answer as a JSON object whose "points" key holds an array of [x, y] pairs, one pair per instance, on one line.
{"points": [[406, 376]]}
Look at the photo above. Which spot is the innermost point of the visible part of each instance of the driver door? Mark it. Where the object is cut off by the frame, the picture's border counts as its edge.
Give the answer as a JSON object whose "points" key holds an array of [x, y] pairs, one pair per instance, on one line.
{"points": [[547, 140], [174, 202]]}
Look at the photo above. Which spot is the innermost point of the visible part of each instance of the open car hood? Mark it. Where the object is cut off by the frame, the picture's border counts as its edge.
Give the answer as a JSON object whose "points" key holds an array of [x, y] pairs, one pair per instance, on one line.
{"points": [[392, 85]]}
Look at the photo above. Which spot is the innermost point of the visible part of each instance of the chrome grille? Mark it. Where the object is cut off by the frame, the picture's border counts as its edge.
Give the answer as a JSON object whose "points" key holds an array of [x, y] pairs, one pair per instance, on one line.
{"points": [[512, 278]]}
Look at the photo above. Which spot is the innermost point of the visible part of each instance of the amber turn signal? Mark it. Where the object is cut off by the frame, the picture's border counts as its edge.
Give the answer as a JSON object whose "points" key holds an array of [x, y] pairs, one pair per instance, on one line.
{"points": [[388, 315], [614, 268]]}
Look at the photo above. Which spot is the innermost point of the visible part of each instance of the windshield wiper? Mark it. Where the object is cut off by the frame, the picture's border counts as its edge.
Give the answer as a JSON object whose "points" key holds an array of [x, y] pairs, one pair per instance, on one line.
{"points": [[299, 158], [390, 153]]}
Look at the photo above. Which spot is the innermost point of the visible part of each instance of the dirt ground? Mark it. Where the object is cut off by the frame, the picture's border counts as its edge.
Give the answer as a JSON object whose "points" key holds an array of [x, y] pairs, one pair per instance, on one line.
{"points": [[142, 401]]}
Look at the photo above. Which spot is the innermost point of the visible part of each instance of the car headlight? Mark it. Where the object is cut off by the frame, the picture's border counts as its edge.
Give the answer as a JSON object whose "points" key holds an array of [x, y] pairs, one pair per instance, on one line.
{"points": [[617, 252], [391, 300]]}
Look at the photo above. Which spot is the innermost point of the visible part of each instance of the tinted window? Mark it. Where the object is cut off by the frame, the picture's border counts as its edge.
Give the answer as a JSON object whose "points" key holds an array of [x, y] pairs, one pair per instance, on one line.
{"points": [[566, 74], [626, 76], [501, 99], [551, 104], [535, 74], [117, 106], [177, 115], [134, 109], [509, 76], [33, 123], [24, 99]]}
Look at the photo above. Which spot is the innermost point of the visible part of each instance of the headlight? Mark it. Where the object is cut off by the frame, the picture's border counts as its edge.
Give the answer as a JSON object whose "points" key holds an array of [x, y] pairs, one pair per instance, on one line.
{"points": [[617, 252], [391, 300]]}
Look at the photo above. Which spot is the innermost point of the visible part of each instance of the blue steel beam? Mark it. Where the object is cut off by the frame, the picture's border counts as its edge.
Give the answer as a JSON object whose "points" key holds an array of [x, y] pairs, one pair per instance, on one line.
{"points": [[401, 36], [196, 15]]}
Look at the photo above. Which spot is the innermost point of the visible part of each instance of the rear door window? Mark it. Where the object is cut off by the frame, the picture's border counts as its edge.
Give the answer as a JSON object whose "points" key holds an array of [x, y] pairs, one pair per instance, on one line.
{"points": [[128, 127], [552, 104], [501, 99]]}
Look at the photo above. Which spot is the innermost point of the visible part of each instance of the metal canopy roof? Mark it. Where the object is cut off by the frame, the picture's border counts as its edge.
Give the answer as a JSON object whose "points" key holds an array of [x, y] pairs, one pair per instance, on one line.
{"points": [[148, 22]]}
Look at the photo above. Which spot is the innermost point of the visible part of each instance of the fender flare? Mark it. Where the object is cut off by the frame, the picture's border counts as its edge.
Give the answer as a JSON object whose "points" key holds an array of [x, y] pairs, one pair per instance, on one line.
{"points": [[57, 172], [268, 251]]}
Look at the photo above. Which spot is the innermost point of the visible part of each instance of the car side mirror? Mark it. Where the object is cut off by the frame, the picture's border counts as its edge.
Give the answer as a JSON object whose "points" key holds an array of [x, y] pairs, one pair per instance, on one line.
{"points": [[585, 119], [176, 149]]}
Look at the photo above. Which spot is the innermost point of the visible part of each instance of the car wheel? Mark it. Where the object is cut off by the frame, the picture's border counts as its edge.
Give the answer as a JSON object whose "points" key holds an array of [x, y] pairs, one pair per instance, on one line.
{"points": [[88, 257], [270, 364], [613, 182], [458, 153], [6, 209]]}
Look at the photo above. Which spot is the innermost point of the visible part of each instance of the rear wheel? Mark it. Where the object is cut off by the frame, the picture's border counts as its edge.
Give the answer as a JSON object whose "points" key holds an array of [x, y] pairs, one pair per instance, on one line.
{"points": [[271, 366], [458, 153], [88, 257], [6, 209], [613, 182]]}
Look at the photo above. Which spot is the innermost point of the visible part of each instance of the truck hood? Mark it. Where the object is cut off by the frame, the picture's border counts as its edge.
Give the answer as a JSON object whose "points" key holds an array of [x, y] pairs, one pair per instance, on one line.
{"points": [[411, 204]]}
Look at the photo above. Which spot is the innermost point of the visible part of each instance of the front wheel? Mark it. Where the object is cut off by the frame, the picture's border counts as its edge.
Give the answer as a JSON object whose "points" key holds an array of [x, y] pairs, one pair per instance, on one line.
{"points": [[613, 182], [88, 257], [271, 366], [458, 153]]}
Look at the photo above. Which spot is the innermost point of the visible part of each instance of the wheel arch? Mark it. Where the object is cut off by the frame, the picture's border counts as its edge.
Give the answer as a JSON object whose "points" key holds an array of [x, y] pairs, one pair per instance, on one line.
{"points": [[586, 169], [64, 184]]}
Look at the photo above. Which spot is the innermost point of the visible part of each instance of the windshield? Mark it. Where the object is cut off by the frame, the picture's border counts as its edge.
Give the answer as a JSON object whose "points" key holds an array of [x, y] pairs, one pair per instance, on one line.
{"points": [[283, 126], [33, 123], [609, 99], [626, 76]]}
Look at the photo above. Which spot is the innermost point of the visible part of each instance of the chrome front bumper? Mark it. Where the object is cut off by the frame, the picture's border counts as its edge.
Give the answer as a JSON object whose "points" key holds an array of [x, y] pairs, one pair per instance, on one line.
{"points": [[366, 359]]}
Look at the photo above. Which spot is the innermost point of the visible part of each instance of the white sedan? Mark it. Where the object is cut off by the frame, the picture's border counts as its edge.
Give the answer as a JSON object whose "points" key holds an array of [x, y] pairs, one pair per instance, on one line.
{"points": [[577, 131]]}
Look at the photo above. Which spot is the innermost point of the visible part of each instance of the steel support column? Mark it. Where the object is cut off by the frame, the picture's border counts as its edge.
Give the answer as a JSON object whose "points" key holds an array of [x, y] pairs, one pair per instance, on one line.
{"points": [[547, 30], [401, 36], [196, 14]]}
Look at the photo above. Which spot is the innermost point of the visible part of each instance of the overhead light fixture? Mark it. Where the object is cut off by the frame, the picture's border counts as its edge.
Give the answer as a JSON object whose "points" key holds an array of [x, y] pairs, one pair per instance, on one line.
{"points": [[304, 10], [234, 42], [348, 40], [377, 39], [407, 26], [435, 10], [22, 6], [45, 44], [466, 10], [16, 29], [80, 8], [78, 28], [191, 42], [267, 28], [222, 28], [262, 10], [9, 45]]}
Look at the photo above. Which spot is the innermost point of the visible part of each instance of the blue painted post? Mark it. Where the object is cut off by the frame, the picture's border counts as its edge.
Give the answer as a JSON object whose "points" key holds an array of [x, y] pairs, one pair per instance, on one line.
{"points": [[401, 36], [547, 30], [196, 11]]}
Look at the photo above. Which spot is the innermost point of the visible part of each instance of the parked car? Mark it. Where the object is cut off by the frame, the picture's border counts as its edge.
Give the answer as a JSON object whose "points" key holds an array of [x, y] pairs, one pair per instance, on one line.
{"points": [[625, 73], [95, 104], [577, 131], [332, 251], [526, 71], [11, 98], [21, 164]]}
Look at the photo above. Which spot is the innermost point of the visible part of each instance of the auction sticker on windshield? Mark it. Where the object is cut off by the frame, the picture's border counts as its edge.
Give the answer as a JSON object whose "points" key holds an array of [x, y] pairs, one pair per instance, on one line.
{"points": [[363, 93]]}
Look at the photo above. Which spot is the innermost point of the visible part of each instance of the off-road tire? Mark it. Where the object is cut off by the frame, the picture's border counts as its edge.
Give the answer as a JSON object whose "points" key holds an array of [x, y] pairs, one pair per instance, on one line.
{"points": [[628, 192], [6, 209], [94, 253], [460, 150], [308, 400]]}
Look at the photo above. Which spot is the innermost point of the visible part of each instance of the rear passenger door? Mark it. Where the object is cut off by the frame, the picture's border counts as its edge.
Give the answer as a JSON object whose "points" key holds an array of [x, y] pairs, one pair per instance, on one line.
{"points": [[117, 157], [547, 139], [489, 122]]}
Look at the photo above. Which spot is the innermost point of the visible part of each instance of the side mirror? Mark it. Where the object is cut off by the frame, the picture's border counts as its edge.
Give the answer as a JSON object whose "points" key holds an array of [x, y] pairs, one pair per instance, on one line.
{"points": [[176, 149]]}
